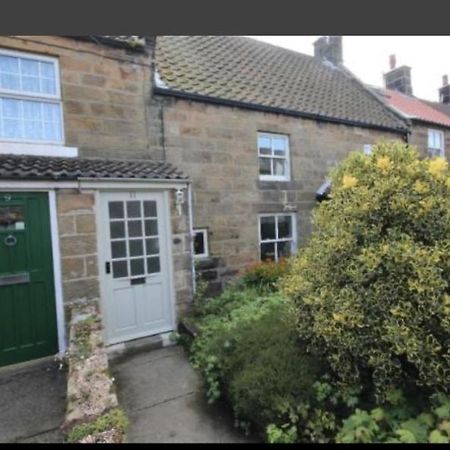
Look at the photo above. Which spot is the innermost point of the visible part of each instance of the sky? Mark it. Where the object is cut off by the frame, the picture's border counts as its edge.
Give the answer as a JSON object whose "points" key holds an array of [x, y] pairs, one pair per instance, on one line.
{"points": [[368, 57]]}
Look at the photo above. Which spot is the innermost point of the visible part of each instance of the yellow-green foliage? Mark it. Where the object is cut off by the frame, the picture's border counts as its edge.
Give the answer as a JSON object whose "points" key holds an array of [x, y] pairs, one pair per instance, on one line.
{"points": [[372, 285]]}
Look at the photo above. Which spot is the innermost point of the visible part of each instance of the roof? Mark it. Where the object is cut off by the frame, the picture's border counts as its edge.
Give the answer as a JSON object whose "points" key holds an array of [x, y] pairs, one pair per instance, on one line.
{"points": [[442, 107], [51, 168], [129, 42], [414, 108], [249, 73]]}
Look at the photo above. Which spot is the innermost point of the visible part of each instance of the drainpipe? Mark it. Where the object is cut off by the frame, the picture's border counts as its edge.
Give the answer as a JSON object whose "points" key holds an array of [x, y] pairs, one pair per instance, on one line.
{"points": [[191, 232]]}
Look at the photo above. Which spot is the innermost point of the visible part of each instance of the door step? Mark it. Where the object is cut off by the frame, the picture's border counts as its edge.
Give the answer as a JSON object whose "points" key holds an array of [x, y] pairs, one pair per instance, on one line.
{"points": [[139, 346]]}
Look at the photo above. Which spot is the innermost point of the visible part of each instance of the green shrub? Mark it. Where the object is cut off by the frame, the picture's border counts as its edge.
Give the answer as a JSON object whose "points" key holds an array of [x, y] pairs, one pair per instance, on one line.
{"points": [[265, 275], [371, 287], [400, 420], [113, 419]]}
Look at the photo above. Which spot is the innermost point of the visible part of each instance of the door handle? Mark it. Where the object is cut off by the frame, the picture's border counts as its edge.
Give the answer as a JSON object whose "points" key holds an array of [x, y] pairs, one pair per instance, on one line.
{"points": [[108, 267]]}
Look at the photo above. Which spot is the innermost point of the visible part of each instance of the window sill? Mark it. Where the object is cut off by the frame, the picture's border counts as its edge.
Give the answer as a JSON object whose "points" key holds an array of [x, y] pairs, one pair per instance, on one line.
{"points": [[22, 148]]}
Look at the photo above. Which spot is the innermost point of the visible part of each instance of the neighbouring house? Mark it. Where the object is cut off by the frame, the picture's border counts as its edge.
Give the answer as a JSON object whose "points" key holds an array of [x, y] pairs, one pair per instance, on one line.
{"points": [[429, 121], [123, 160], [257, 128], [85, 215]]}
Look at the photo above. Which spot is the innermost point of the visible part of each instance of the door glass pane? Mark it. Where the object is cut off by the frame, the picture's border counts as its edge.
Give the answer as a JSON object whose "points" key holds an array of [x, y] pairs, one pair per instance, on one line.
{"points": [[120, 269], [150, 208], [267, 228], [153, 264], [264, 166], [151, 227], [117, 229], [136, 247], [152, 246], [118, 249], [137, 266], [134, 209], [284, 227], [268, 251], [284, 249], [12, 218], [116, 210], [134, 228]]}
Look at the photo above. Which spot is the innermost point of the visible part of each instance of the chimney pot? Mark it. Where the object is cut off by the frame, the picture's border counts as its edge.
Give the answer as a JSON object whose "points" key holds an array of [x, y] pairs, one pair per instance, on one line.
{"points": [[329, 48], [392, 62], [445, 80]]}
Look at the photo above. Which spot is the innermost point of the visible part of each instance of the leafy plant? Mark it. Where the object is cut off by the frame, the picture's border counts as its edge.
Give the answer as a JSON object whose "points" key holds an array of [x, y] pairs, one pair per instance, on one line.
{"points": [[371, 287], [265, 275]]}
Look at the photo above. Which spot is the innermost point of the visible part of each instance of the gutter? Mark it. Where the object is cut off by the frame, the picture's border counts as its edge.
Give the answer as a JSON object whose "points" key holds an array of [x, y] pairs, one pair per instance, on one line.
{"points": [[276, 110]]}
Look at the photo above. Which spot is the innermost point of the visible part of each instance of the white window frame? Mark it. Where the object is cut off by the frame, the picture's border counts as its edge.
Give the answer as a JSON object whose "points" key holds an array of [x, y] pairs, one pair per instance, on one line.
{"points": [[442, 148], [203, 231], [41, 97], [287, 176], [293, 240]]}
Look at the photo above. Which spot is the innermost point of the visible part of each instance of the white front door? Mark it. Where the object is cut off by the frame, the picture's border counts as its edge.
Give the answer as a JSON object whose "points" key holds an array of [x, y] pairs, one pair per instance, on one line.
{"points": [[136, 270]]}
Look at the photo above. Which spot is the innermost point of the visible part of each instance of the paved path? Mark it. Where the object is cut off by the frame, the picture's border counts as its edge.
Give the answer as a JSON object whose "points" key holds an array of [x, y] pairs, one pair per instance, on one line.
{"points": [[165, 402], [32, 403]]}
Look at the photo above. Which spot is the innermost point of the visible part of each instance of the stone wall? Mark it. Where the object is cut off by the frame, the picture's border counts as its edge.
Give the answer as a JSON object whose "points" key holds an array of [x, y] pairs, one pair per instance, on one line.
{"points": [[104, 91], [78, 244], [419, 137], [217, 147]]}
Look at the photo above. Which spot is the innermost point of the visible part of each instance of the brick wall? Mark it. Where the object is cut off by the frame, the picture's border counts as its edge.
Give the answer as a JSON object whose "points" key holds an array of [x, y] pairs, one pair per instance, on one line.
{"points": [[217, 147], [104, 94]]}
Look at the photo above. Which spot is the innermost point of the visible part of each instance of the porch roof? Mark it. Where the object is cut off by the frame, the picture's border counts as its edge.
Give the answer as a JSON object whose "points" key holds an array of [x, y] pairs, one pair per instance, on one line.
{"points": [[25, 167]]}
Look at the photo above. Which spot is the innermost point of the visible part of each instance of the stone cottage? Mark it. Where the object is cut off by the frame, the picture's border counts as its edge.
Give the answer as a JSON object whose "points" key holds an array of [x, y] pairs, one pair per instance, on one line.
{"points": [[257, 128], [124, 160], [85, 214]]}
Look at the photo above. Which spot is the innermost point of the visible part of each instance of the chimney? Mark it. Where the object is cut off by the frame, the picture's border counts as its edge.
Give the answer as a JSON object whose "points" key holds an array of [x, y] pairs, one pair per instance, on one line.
{"points": [[398, 78], [329, 48], [444, 91]]}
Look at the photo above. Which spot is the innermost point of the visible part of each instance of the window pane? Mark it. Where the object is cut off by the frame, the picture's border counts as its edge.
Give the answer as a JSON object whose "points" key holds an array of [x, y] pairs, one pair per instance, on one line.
{"points": [[134, 209], [47, 70], [199, 244], [279, 167], [12, 129], [117, 229], [29, 67], [264, 166], [151, 227], [267, 228], [152, 246], [118, 249], [9, 81], [11, 108], [32, 110], [284, 227], [284, 249], [48, 86], [268, 251], [137, 266], [264, 146], [120, 269], [134, 228], [115, 210], [153, 264], [150, 208], [30, 84], [279, 146], [136, 247], [32, 130], [51, 132], [9, 64]]}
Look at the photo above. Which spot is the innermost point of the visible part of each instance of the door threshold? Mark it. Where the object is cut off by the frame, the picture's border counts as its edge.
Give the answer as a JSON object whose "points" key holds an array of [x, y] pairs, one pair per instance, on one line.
{"points": [[29, 364], [144, 344]]}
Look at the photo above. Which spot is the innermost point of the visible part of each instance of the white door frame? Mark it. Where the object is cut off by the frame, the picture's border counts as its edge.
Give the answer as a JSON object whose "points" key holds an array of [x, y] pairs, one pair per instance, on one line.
{"points": [[101, 257]]}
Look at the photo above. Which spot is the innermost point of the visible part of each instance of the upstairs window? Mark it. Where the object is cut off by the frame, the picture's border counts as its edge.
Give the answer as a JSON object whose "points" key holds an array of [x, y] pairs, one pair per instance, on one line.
{"points": [[435, 143], [273, 152], [30, 98]]}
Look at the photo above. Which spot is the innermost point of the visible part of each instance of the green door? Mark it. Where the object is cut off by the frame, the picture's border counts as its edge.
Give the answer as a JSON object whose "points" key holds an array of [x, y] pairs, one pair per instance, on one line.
{"points": [[28, 327]]}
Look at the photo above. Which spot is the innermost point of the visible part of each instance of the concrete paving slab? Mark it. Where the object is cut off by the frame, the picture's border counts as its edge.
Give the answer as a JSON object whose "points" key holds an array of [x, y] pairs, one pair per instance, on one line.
{"points": [[33, 401], [165, 401]]}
